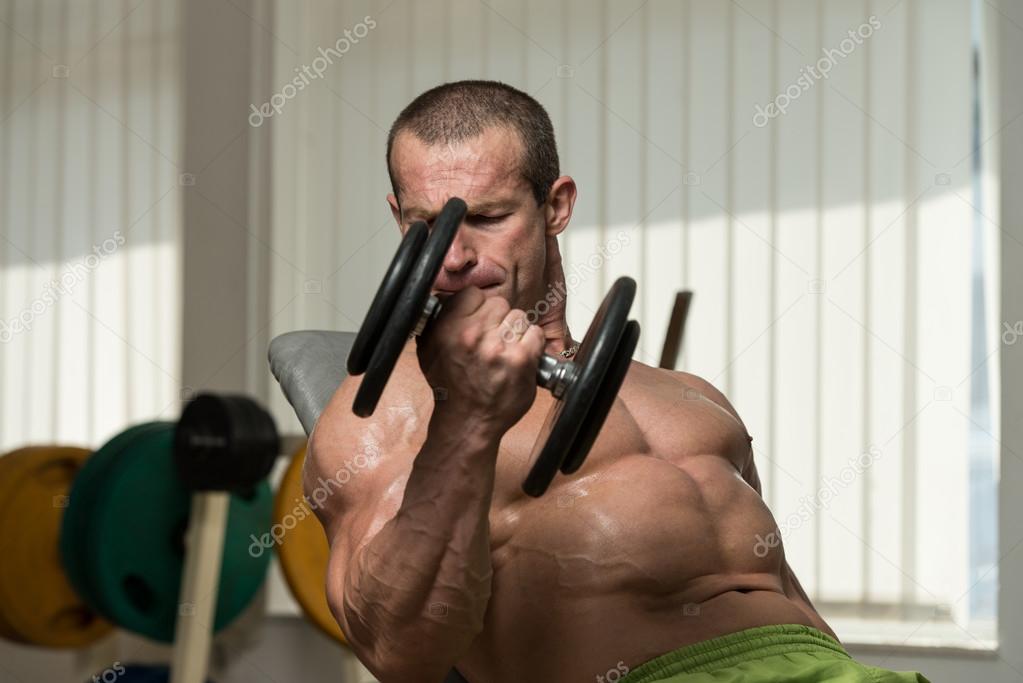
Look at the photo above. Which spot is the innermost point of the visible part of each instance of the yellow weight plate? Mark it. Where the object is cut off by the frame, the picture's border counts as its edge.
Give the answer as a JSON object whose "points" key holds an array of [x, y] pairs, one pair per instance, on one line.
{"points": [[12, 471], [9, 468], [303, 549], [37, 602], [7, 633]]}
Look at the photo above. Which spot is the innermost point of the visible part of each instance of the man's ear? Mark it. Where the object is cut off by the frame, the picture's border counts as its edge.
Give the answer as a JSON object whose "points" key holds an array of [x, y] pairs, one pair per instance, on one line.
{"points": [[560, 202], [395, 210]]}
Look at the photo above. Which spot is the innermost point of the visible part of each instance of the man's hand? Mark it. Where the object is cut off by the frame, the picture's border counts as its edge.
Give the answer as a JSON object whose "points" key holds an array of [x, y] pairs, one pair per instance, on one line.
{"points": [[481, 356]]}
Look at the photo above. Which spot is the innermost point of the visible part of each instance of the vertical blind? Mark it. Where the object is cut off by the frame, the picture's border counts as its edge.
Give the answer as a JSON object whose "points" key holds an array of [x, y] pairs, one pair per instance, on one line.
{"points": [[89, 218]]}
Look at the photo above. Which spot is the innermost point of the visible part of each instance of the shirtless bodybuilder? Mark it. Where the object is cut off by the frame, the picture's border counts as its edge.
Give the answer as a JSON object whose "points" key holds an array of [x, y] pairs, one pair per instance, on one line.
{"points": [[642, 566]]}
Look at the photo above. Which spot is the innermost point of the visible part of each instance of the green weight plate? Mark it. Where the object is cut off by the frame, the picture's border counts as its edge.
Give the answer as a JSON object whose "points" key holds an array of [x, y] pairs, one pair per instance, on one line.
{"points": [[138, 523], [76, 545], [71, 536], [95, 492]]}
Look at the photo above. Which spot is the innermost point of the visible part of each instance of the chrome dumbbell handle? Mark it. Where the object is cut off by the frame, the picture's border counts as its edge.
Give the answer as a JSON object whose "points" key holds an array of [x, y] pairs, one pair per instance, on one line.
{"points": [[555, 375], [430, 311]]}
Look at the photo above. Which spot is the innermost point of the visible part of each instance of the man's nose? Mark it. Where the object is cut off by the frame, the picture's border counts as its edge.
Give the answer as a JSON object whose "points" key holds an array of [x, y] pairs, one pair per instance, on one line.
{"points": [[461, 254]]}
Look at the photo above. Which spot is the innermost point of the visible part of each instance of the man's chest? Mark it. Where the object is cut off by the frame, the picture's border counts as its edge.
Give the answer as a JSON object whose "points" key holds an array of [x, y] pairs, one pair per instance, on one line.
{"points": [[668, 423]]}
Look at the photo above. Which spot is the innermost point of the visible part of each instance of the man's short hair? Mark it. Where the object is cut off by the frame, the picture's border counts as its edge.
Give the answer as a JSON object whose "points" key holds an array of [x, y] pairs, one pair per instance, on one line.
{"points": [[462, 110]]}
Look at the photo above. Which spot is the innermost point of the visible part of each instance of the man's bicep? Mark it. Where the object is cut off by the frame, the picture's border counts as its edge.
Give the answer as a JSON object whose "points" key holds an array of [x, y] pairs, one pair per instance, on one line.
{"points": [[339, 466], [345, 483], [344, 505]]}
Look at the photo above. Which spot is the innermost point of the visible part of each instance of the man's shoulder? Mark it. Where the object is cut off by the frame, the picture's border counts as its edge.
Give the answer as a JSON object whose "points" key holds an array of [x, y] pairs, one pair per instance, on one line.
{"points": [[672, 378], [687, 385]]}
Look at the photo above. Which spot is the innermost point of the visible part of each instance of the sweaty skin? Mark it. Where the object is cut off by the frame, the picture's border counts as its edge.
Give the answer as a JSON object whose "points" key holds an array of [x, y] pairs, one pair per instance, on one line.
{"points": [[437, 557]]}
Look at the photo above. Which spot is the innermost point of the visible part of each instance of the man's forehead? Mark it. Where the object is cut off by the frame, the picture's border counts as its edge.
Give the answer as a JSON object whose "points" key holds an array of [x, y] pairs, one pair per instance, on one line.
{"points": [[427, 208], [484, 170]]}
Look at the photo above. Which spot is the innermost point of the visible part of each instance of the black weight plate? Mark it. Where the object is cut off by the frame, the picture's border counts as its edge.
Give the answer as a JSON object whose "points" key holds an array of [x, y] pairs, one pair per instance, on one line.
{"points": [[383, 301], [262, 440], [594, 357], [409, 307], [132, 673], [224, 443], [605, 398]]}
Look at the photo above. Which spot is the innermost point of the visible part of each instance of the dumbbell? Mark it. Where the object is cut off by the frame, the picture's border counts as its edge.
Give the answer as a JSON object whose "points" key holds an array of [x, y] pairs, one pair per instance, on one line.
{"points": [[585, 386]]}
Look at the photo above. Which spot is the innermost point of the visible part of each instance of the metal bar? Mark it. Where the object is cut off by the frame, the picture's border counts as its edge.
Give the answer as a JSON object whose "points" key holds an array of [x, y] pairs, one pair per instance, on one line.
{"points": [[676, 329]]}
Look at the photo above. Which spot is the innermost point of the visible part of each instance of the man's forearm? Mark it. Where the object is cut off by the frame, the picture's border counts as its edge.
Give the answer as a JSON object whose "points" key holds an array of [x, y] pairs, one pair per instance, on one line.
{"points": [[418, 591]]}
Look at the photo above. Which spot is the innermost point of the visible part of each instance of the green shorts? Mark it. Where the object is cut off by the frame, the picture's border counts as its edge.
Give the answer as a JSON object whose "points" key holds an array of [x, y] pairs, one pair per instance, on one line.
{"points": [[787, 652]]}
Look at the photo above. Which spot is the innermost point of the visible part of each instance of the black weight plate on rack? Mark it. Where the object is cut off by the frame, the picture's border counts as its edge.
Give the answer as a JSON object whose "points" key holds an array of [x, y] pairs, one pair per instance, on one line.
{"points": [[224, 443]]}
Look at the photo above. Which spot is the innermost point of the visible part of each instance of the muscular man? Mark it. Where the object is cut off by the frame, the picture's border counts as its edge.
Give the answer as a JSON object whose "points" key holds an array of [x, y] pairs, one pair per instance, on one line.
{"points": [[437, 557]]}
